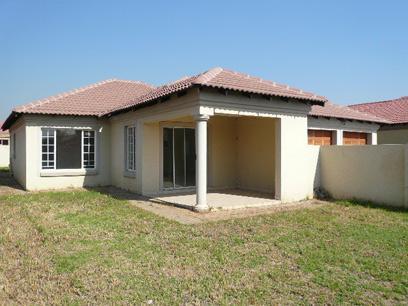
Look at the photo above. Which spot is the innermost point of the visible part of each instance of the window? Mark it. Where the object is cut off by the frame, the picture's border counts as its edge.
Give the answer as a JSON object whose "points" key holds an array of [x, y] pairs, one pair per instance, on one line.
{"points": [[89, 149], [48, 149], [4, 142], [67, 149], [130, 148]]}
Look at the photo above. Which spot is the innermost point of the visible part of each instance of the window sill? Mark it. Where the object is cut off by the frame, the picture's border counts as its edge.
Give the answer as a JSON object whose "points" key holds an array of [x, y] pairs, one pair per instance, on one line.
{"points": [[69, 172], [129, 174]]}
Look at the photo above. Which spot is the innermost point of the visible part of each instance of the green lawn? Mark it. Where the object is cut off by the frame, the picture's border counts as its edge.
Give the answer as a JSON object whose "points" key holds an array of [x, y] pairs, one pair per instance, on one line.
{"points": [[87, 248]]}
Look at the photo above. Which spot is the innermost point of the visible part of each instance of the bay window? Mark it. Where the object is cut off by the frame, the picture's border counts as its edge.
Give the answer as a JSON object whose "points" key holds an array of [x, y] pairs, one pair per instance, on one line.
{"points": [[67, 149]]}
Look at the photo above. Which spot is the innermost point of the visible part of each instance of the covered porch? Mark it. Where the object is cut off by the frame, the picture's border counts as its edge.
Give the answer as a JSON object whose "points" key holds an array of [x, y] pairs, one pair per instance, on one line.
{"points": [[225, 151], [211, 162]]}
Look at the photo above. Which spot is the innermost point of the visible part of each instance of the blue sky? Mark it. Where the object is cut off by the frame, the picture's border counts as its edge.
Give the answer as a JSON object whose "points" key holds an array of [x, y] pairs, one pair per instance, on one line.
{"points": [[349, 51]]}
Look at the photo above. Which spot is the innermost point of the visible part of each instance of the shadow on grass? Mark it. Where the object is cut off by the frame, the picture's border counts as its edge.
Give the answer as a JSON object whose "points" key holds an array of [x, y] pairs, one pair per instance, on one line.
{"points": [[369, 204], [121, 194], [8, 183]]}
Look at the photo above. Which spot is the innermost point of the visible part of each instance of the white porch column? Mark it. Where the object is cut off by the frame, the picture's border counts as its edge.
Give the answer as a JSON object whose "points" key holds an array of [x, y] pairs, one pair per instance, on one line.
{"points": [[201, 163]]}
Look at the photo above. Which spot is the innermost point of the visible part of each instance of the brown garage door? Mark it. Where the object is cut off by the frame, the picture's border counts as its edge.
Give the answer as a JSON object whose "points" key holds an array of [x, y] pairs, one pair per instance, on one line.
{"points": [[320, 138], [354, 138]]}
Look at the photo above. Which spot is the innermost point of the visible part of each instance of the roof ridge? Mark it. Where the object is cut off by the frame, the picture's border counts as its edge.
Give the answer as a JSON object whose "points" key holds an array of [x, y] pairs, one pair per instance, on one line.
{"points": [[215, 71], [61, 95], [208, 75], [134, 82]]}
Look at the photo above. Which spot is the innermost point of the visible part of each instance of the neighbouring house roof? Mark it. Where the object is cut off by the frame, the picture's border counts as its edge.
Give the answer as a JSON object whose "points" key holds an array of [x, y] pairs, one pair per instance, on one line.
{"points": [[395, 111], [330, 110], [112, 96], [3, 134]]}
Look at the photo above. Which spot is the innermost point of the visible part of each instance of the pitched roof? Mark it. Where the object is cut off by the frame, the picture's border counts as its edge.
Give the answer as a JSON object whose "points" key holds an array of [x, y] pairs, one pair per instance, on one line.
{"points": [[111, 96], [332, 110], [395, 111], [92, 100], [229, 80]]}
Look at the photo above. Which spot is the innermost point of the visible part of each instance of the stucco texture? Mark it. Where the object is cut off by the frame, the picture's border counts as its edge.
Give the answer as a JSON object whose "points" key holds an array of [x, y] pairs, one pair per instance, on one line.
{"points": [[397, 136], [241, 153], [36, 178], [372, 173]]}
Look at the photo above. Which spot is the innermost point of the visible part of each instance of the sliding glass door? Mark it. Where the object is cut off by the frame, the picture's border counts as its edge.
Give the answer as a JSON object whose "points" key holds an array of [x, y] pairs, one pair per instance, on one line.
{"points": [[178, 157]]}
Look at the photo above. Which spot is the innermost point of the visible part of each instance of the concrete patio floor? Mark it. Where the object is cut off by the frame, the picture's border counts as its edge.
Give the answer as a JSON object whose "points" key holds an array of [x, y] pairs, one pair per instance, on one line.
{"points": [[223, 199]]}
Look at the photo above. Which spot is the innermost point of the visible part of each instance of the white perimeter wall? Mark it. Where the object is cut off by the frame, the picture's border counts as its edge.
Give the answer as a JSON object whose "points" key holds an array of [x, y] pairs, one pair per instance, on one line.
{"points": [[374, 173], [393, 136]]}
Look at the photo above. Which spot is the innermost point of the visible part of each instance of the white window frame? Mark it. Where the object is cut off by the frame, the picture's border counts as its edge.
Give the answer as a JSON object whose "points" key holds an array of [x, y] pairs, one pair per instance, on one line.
{"points": [[82, 150], [128, 168]]}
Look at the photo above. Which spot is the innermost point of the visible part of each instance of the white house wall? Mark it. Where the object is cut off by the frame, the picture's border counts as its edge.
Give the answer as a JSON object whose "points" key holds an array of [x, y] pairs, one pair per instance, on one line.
{"points": [[147, 120], [18, 151], [36, 178]]}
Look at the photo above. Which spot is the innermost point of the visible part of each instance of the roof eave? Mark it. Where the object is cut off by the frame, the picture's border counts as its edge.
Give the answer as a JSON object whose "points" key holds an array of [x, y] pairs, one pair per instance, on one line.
{"points": [[10, 120], [350, 119]]}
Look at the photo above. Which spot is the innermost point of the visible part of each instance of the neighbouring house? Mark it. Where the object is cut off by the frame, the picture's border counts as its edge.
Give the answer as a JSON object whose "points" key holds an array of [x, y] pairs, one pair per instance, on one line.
{"points": [[219, 129], [4, 148], [396, 112]]}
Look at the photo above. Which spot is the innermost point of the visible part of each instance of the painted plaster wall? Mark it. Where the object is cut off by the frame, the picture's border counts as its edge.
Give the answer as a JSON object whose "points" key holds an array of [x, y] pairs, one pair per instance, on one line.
{"points": [[120, 177], [18, 158], [151, 159], [37, 179], [397, 136], [294, 180], [256, 154], [372, 173], [222, 152], [241, 153], [5, 155]]}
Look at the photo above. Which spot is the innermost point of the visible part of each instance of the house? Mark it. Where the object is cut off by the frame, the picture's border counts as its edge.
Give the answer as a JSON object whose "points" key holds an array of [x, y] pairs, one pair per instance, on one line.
{"points": [[216, 130], [396, 112], [4, 148]]}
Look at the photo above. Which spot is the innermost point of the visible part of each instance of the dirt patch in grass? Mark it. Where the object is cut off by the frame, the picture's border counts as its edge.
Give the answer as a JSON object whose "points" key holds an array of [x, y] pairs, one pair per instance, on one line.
{"points": [[85, 247]]}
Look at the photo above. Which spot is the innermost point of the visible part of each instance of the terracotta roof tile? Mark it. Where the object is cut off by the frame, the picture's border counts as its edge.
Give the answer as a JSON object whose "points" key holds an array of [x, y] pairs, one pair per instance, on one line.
{"points": [[331, 110], [228, 80], [395, 111], [93, 100], [111, 96]]}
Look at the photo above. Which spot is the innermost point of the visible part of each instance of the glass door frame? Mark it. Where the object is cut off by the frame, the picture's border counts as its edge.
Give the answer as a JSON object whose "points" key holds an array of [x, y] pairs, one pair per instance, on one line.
{"points": [[174, 125]]}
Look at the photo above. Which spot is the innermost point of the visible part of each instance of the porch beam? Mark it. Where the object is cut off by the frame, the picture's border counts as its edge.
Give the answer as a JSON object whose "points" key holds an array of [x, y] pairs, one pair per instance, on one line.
{"points": [[201, 163]]}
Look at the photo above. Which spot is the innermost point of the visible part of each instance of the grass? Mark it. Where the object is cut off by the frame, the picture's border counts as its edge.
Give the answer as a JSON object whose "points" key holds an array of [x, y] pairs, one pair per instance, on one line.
{"points": [[83, 247]]}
